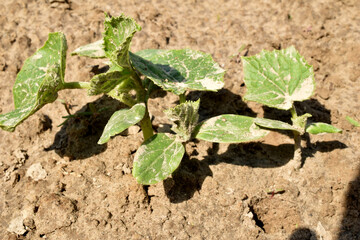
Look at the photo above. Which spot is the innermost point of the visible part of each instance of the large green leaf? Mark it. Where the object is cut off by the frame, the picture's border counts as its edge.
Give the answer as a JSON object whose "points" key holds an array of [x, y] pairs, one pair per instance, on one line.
{"points": [[230, 128], [319, 127], [118, 34], [157, 158], [274, 124], [185, 117], [121, 120], [38, 82], [178, 70], [278, 78], [92, 50]]}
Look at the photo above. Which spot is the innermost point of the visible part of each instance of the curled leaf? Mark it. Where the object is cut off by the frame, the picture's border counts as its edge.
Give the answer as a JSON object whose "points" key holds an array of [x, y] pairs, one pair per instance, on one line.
{"points": [[300, 122], [92, 50], [118, 34], [320, 127], [105, 82], [185, 117]]}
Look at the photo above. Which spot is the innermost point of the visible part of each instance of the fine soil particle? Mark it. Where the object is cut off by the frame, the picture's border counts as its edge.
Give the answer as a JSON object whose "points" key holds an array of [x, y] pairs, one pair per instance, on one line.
{"points": [[83, 190]]}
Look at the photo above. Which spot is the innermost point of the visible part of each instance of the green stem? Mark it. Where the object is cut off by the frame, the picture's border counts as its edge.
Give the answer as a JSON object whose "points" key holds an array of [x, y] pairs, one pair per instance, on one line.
{"points": [[146, 126], [293, 112], [141, 96], [297, 141], [76, 85], [182, 98]]}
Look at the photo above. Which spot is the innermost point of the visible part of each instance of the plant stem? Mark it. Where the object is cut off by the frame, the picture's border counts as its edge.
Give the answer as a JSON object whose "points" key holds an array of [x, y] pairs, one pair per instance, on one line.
{"points": [[146, 126], [141, 96], [293, 112], [182, 98], [76, 85], [297, 142]]}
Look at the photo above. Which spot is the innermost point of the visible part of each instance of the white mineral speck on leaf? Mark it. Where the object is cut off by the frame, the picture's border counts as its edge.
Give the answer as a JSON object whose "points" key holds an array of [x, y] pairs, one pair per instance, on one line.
{"points": [[36, 172]]}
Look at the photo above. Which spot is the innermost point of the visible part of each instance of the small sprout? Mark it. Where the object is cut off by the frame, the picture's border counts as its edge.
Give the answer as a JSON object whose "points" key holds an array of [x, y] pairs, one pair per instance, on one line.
{"points": [[353, 121]]}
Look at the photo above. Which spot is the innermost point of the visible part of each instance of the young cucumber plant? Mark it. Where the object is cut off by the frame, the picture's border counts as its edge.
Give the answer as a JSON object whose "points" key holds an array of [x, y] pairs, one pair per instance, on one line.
{"points": [[130, 79], [277, 79]]}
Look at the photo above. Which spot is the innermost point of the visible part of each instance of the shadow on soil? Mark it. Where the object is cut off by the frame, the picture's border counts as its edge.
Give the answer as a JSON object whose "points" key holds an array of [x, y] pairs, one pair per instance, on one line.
{"points": [[350, 224], [303, 234], [78, 137], [225, 101], [188, 178], [317, 110]]}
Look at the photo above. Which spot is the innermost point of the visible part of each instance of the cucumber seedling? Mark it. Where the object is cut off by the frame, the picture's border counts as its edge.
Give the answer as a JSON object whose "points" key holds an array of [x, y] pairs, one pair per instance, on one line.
{"points": [[130, 79], [276, 79]]}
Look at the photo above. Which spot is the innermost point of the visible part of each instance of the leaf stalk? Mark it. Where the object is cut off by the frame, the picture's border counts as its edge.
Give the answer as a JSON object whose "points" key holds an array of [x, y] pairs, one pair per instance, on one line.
{"points": [[297, 141]]}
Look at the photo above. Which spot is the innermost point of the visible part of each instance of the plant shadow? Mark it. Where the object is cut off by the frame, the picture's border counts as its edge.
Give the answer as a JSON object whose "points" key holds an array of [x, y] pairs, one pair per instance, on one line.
{"points": [[350, 224], [186, 180], [303, 234], [78, 136], [190, 175], [225, 101], [314, 107]]}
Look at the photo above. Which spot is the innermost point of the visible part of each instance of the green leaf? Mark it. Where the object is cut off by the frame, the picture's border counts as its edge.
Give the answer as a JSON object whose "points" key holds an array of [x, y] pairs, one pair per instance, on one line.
{"points": [[157, 158], [274, 124], [92, 50], [230, 128], [278, 78], [185, 117], [38, 82], [353, 121], [319, 127], [105, 82], [121, 120], [178, 70], [118, 34]]}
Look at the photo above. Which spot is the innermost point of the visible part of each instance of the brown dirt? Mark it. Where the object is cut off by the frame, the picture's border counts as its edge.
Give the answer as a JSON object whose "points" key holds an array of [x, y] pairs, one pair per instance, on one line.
{"points": [[86, 191]]}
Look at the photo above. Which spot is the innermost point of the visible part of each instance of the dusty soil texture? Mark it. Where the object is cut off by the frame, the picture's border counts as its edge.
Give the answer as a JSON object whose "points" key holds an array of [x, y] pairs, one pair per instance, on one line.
{"points": [[57, 183]]}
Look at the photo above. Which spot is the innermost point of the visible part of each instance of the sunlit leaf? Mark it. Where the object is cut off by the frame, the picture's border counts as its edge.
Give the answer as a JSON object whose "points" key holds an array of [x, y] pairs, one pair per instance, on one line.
{"points": [[230, 128], [157, 158], [178, 70], [278, 78], [121, 120], [38, 82], [92, 50], [319, 127]]}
